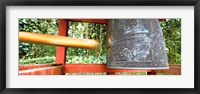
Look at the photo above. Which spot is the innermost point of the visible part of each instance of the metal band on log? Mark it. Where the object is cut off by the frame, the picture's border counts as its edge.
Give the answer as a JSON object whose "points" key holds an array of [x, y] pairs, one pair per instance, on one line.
{"points": [[57, 40]]}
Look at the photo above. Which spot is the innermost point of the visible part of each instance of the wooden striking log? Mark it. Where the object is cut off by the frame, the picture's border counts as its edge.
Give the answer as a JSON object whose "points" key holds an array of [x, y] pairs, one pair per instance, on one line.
{"points": [[57, 40]]}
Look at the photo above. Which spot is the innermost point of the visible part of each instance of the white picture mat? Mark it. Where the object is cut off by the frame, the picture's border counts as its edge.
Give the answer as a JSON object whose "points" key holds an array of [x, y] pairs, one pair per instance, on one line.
{"points": [[185, 80]]}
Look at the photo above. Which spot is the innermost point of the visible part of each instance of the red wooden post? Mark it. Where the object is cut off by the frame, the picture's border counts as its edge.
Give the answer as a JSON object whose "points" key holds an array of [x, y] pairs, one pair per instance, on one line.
{"points": [[61, 51]]}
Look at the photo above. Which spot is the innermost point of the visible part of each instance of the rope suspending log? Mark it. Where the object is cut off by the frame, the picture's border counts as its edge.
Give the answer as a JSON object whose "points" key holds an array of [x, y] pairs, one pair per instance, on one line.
{"points": [[57, 40]]}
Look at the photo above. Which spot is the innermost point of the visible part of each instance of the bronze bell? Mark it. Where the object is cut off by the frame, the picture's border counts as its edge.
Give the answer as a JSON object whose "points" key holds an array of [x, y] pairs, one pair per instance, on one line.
{"points": [[136, 44]]}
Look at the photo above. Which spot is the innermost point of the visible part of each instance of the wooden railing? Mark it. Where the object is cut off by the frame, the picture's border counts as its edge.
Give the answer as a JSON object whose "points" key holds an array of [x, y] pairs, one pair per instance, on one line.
{"points": [[55, 69]]}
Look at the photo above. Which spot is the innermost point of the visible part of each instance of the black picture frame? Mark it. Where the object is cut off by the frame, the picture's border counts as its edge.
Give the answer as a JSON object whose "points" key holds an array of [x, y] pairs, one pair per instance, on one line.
{"points": [[4, 3]]}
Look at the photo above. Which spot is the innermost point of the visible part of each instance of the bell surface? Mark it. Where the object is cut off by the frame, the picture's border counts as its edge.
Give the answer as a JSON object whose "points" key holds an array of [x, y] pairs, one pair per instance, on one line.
{"points": [[136, 44]]}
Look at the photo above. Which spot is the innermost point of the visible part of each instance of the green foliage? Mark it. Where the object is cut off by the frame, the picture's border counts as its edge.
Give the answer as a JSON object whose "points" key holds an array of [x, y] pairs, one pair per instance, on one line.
{"points": [[86, 60], [87, 31], [42, 26], [172, 35], [24, 48], [43, 60]]}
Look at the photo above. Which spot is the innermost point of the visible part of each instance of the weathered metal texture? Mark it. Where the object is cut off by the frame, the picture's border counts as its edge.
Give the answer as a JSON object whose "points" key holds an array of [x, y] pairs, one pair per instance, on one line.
{"points": [[125, 70], [136, 44], [55, 70]]}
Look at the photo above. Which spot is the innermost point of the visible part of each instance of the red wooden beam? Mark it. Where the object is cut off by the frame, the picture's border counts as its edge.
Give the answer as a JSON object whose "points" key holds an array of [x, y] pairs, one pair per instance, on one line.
{"points": [[97, 21], [26, 67], [95, 68], [55, 70], [61, 51], [174, 69], [85, 68]]}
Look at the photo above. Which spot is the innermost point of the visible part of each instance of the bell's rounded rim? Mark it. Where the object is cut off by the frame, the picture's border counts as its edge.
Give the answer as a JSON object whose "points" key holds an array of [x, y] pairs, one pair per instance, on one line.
{"points": [[140, 68]]}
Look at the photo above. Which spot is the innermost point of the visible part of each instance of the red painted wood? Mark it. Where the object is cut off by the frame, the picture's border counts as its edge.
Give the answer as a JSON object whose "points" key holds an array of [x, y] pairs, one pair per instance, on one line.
{"points": [[55, 70], [85, 68], [97, 21], [26, 67], [95, 68], [174, 69], [73, 68], [61, 51], [90, 68]]}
